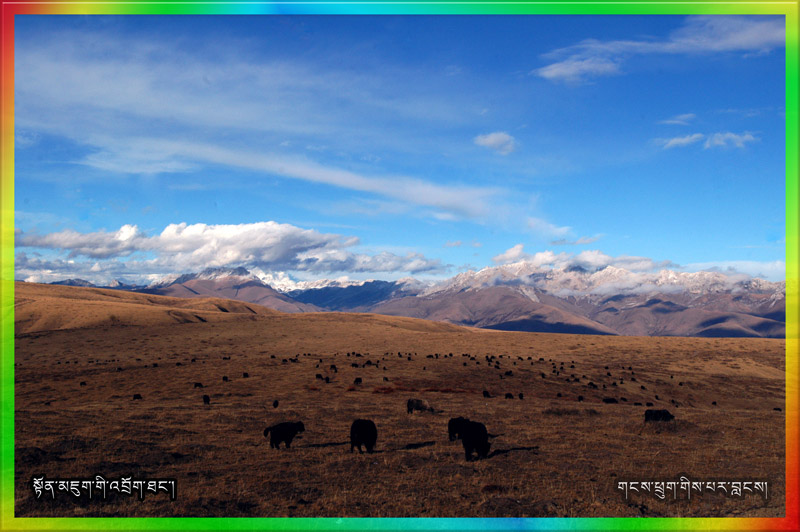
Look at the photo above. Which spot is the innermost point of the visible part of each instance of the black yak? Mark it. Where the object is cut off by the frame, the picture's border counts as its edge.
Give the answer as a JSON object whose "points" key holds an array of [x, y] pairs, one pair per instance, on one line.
{"points": [[357, 381], [486, 394], [363, 432], [137, 396], [474, 437], [283, 432], [657, 415], [454, 427], [198, 385], [206, 400], [509, 395]]}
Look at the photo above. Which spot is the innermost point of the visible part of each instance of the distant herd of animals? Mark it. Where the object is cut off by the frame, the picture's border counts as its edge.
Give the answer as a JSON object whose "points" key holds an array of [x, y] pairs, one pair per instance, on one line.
{"points": [[473, 435]]}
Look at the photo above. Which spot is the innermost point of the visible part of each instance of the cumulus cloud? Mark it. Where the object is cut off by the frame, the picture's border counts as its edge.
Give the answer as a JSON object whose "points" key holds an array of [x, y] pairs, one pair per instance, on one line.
{"points": [[589, 260], [698, 35], [499, 141], [512, 254], [184, 247], [724, 140], [679, 120], [679, 142]]}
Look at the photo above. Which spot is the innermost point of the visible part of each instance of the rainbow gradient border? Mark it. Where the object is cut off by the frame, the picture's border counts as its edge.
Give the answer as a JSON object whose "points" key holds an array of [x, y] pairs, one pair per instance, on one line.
{"points": [[789, 9]]}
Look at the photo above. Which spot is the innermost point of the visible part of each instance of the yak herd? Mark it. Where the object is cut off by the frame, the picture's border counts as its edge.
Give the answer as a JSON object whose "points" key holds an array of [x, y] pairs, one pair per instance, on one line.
{"points": [[473, 435], [363, 432]]}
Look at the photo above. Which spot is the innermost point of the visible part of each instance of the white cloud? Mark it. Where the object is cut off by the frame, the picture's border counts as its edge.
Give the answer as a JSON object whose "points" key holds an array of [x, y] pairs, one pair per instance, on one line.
{"points": [[590, 260], [512, 254], [579, 242], [679, 142], [724, 140], [153, 107], [183, 248], [698, 35], [546, 229], [499, 141], [576, 70], [165, 154], [770, 270], [679, 120], [453, 244]]}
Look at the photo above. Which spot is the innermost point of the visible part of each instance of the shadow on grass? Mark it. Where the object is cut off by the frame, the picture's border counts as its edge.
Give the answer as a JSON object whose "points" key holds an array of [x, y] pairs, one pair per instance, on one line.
{"points": [[499, 452], [328, 444], [417, 445]]}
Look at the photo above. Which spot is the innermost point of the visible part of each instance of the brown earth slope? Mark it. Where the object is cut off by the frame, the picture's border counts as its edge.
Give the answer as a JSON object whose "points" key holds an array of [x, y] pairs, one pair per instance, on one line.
{"points": [[39, 307]]}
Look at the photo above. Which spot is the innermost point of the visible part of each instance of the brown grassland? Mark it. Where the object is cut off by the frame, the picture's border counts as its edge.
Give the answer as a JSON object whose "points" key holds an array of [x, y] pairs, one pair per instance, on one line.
{"points": [[554, 456]]}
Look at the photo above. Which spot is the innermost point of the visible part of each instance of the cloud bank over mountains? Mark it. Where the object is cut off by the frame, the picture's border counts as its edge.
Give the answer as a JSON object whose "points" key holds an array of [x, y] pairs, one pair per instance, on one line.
{"points": [[191, 247], [135, 257]]}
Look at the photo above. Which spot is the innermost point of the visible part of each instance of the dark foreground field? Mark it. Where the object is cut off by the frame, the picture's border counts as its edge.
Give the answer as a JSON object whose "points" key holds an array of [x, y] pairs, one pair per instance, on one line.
{"points": [[555, 456]]}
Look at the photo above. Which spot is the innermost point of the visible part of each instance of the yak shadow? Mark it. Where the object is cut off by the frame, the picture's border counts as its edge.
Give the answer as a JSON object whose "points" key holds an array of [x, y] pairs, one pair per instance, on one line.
{"points": [[337, 444], [498, 452], [417, 445], [327, 444]]}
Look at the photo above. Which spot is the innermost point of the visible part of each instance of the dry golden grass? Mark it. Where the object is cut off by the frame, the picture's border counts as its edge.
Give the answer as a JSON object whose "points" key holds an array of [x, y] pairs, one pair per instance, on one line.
{"points": [[554, 456]]}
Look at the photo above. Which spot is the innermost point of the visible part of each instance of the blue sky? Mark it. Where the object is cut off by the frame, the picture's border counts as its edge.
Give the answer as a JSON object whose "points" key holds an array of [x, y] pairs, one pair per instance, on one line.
{"points": [[383, 147]]}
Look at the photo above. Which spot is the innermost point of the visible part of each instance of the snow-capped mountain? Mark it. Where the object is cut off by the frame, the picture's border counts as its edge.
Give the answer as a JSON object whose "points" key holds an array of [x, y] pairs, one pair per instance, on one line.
{"points": [[610, 280], [521, 296]]}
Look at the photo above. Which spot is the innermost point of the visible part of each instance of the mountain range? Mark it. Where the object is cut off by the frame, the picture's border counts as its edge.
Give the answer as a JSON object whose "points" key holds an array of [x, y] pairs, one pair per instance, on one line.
{"points": [[519, 297]]}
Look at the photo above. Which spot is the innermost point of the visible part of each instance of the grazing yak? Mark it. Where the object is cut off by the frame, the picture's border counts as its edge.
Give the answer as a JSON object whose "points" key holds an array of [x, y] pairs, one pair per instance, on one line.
{"points": [[657, 415], [418, 404], [509, 395], [363, 432], [474, 437], [137, 396], [285, 432], [486, 394], [206, 400], [454, 427], [198, 385]]}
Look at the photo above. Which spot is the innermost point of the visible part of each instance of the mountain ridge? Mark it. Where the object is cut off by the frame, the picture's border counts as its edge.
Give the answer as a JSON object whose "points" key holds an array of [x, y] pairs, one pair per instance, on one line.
{"points": [[520, 296]]}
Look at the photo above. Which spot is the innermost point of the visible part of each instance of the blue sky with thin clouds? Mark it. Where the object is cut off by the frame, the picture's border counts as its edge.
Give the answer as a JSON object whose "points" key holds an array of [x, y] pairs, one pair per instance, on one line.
{"points": [[383, 147]]}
